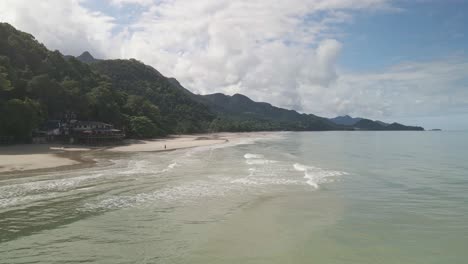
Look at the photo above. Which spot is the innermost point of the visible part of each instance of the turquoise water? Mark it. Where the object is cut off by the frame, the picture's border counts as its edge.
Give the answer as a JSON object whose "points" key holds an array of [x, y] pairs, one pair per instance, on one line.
{"points": [[315, 197]]}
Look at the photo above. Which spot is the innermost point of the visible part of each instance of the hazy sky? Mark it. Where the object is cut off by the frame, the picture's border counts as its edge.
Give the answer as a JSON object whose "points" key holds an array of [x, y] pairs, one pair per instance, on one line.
{"points": [[401, 61]]}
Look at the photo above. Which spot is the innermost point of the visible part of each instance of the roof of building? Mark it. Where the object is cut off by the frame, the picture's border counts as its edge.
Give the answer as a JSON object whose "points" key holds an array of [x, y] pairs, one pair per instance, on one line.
{"points": [[90, 123]]}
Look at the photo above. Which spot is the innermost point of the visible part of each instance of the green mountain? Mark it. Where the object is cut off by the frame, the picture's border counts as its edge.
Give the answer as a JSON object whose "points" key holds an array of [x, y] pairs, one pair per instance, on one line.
{"points": [[400, 127], [359, 123], [86, 57], [179, 113], [345, 120], [240, 113], [382, 123], [38, 85], [367, 124]]}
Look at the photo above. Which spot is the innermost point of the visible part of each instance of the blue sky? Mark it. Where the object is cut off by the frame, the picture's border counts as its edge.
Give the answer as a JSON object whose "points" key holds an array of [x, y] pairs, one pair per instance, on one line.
{"points": [[390, 60], [420, 31]]}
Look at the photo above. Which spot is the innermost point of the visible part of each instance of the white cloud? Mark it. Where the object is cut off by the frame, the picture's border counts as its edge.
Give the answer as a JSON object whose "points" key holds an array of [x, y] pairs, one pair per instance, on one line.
{"points": [[406, 89], [268, 50], [282, 52], [121, 3], [60, 24]]}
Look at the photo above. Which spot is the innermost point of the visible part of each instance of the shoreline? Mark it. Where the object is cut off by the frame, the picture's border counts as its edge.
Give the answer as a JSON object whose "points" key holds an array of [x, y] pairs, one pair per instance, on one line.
{"points": [[170, 143], [16, 159]]}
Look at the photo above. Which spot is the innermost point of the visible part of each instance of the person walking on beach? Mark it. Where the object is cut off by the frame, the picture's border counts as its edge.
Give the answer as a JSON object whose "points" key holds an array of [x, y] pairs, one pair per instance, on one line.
{"points": [[164, 146]]}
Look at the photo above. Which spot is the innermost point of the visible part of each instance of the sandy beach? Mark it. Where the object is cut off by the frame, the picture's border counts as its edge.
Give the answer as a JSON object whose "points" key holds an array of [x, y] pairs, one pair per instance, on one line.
{"points": [[28, 157], [171, 143]]}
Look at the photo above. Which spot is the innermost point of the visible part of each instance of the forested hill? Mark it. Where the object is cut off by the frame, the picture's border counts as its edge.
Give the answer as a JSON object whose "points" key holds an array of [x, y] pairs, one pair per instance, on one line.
{"points": [[242, 110], [366, 124], [86, 57], [345, 120], [179, 113], [37, 85]]}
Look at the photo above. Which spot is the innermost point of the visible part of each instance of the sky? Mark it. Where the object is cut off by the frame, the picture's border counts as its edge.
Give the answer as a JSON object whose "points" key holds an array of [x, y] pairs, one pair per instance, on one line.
{"points": [[403, 61]]}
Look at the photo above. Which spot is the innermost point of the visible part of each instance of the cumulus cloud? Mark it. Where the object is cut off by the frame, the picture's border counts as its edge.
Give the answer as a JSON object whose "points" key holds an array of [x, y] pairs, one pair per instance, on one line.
{"points": [[282, 52], [269, 50], [61, 24], [274, 51], [121, 3], [406, 89]]}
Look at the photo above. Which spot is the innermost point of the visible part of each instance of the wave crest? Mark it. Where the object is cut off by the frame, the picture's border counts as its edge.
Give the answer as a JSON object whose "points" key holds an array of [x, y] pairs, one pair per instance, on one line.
{"points": [[253, 156], [316, 176]]}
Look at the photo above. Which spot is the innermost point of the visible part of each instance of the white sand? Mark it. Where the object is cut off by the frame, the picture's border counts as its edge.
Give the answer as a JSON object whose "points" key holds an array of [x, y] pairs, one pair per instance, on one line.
{"points": [[10, 163], [172, 143], [43, 156], [31, 157]]}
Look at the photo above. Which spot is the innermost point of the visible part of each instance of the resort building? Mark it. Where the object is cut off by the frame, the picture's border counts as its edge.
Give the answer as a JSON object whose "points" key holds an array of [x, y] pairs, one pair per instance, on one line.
{"points": [[77, 132], [92, 132]]}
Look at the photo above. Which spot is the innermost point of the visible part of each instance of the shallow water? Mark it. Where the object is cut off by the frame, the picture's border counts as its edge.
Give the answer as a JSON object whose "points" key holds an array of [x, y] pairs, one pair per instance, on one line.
{"points": [[318, 197]]}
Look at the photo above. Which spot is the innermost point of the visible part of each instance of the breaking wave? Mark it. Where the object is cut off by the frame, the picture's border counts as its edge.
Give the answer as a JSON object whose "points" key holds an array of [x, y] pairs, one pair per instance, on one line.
{"points": [[184, 193], [257, 159], [315, 176], [253, 156]]}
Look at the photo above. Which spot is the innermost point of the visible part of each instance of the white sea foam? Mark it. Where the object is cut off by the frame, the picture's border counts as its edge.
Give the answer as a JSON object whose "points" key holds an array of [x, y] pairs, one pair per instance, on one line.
{"points": [[22, 189], [247, 181], [171, 167], [186, 193], [29, 190], [253, 156], [315, 176], [259, 161], [14, 201], [264, 181], [300, 167], [138, 167], [232, 143]]}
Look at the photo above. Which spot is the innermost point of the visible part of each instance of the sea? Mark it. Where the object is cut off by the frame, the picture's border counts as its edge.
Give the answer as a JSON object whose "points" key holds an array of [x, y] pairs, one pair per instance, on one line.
{"points": [[286, 197]]}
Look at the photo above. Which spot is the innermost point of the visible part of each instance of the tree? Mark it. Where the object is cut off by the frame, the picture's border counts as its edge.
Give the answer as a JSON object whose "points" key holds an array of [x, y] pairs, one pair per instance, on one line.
{"points": [[103, 105], [76, 101], [5, 84], [19, 118], [49, 93], [139, 106], [143, 127]]}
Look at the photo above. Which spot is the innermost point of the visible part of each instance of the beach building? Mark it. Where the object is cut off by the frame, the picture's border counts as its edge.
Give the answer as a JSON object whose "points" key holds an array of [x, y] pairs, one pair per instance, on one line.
{"points": [[77, 132], [92, 132]]}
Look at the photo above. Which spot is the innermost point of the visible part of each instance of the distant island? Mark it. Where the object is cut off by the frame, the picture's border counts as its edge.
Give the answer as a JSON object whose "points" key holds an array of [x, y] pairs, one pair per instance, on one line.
{"points": [[436, 129], [44, 93], [359, 123]]}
